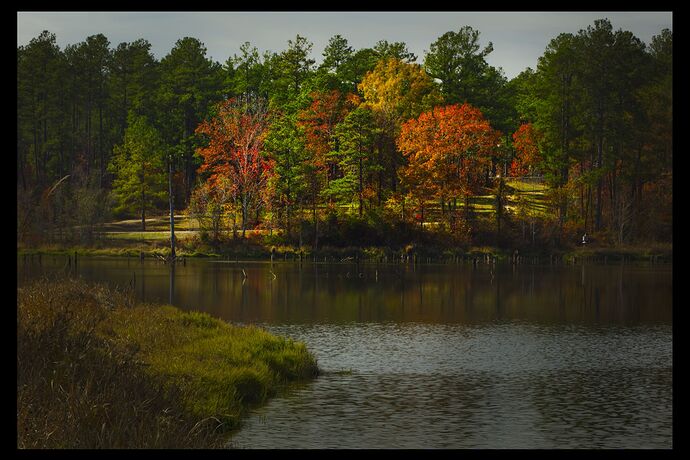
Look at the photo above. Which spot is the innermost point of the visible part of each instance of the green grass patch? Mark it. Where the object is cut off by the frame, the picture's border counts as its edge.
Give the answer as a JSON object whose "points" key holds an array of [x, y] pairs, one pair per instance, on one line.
{"points": [[147, 235], [224, 368], [97, 370], [159, 223], [523, 186]]}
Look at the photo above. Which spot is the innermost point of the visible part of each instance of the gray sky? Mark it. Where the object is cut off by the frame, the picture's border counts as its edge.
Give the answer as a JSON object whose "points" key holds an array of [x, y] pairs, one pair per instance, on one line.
{"points": [[519, 38]]}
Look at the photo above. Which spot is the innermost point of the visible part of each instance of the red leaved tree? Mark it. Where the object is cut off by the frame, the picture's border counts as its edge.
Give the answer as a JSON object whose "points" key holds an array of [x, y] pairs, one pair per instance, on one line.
{"points": [[233, 158], [525, 140]]}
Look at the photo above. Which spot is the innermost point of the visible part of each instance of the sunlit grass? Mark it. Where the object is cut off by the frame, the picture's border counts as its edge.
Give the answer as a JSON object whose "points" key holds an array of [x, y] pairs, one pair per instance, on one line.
{"points": [[223, 367], [525, 186], [147, 235]]}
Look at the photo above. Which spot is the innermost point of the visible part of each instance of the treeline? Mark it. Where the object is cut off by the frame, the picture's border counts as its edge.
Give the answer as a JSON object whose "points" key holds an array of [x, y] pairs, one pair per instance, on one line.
{"points": [[273, 141]]}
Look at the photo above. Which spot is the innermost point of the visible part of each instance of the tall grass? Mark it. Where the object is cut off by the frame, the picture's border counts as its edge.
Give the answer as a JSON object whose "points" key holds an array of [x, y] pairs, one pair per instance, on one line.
{"points": [[94, 370]]}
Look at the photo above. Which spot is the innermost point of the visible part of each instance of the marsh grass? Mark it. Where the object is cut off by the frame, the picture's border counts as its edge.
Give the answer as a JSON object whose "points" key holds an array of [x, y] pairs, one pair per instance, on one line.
{"points": [[96, 370], [224, 368]]}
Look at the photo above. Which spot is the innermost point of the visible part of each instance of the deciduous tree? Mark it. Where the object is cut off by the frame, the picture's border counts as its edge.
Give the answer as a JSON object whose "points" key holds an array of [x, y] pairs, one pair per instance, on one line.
{"points": [[448, 150], [396, 92], [234, 152], [526, 143]]}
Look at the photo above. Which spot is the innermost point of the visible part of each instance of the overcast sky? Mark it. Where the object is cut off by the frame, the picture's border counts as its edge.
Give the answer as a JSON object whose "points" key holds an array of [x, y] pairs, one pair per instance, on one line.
{"points": [[519, 38]]}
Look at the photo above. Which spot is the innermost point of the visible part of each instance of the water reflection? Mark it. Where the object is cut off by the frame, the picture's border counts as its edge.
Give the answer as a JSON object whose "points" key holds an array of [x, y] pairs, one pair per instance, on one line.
{"points": [[312, 293]]}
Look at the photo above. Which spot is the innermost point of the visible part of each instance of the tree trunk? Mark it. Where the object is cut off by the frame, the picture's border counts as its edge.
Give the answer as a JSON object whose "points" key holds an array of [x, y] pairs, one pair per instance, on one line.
{"points": [[565, 131], [143, 210], [468, 210], [360, 186], [499, 205], [380, 173], [245, 205], [301, 209], [172, 212], [100, 146], [421, 221], [316, 223], [36, 155], [21, 160], [599, 165]]}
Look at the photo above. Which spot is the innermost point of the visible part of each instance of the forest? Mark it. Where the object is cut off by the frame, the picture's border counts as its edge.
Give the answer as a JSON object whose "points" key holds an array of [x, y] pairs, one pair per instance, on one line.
{"points": [[371, 147]]}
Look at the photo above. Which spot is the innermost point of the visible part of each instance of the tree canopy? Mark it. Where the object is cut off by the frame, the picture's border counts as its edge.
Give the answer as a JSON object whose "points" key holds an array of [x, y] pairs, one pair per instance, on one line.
{"points": [[276, 139]]}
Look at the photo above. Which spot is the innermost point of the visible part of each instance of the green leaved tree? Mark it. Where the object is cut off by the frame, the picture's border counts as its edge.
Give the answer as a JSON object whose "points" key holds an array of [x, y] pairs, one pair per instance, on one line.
{"points": [[138, 165], [355, 136]]}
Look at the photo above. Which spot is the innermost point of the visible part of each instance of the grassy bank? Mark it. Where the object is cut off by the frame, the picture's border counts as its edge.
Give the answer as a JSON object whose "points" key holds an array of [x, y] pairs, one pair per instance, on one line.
{"points": [[96, 370]]}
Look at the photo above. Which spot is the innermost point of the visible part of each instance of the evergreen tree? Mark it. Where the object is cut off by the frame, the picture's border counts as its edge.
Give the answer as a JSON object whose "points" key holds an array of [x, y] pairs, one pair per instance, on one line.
{"points": [[140, 183]]}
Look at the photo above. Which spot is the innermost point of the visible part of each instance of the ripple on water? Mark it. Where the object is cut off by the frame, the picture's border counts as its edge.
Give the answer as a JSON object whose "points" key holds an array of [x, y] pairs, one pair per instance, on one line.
{"points": [[504, 385]]}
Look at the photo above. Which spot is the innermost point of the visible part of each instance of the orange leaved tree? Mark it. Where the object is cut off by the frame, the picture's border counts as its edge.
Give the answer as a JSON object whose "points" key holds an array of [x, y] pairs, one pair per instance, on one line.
{"points": [[448, 150], [233, 158]]}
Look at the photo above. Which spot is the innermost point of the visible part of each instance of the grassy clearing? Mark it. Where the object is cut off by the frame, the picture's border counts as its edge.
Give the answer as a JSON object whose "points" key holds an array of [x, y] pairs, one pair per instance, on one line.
{"points": [[148, 235], [159, 223], [524, 186], [94, 370]]}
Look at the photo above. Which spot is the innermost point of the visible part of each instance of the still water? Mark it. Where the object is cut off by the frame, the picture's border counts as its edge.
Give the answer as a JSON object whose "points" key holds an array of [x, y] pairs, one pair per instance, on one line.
{"points": [[440, 356]]}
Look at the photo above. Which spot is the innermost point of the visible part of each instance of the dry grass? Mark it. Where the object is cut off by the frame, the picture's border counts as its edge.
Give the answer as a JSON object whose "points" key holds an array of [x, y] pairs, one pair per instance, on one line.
{"points": [[96, 371]]}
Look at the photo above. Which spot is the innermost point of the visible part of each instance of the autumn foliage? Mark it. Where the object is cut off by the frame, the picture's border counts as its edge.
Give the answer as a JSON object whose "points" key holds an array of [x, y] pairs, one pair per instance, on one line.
{"points": [[233, 158], [368, 131], [525, 140], [398, 90], [318, 121], [448, 150]]}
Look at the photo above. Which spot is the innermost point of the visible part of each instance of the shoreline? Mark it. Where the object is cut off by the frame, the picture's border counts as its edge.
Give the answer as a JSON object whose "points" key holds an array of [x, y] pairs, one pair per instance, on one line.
{"points": [[250, 251]]}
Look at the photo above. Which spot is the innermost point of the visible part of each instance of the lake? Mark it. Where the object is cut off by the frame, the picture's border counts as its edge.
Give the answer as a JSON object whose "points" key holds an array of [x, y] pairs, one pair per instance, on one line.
{"points": [[439, 356]]}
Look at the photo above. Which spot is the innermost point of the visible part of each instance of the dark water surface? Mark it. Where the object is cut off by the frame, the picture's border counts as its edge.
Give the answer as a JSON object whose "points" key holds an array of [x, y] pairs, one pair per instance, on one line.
{"points": [[440, 356]]}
